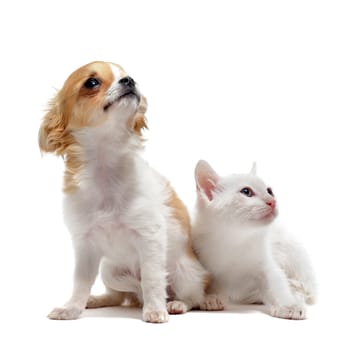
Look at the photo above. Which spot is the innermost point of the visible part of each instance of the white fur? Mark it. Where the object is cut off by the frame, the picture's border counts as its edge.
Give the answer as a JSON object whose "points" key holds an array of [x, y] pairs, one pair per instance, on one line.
{"points": [[118, 216], [251, 259]]}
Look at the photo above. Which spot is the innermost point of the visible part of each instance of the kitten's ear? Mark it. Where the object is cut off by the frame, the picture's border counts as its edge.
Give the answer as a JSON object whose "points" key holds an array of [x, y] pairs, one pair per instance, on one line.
{"points": [[253, 169], [206, 178]]}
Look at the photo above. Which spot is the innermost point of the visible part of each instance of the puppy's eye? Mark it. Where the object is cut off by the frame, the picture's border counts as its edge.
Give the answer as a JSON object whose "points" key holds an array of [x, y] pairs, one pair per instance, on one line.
{"points": [[247, 192], [269, 191], [92, 83]]}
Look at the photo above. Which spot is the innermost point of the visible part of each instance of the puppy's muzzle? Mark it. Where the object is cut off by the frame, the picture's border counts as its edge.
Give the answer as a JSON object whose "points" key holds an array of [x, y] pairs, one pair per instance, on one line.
{"points": [[127, 82], [128, 90]]}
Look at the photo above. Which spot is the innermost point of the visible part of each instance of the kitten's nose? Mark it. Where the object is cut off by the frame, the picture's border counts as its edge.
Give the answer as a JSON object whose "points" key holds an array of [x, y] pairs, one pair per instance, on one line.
{"points": [[271, 203], [127, 81]]}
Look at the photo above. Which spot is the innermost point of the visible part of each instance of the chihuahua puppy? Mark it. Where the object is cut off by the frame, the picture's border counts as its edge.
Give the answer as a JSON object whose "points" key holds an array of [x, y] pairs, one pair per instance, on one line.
{"points": [[121, 214]]}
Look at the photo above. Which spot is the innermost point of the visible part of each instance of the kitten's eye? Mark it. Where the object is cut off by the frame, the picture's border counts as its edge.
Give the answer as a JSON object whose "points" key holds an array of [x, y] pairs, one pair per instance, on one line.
{"points": [[269, 191], [247, 191], [92, 83]]}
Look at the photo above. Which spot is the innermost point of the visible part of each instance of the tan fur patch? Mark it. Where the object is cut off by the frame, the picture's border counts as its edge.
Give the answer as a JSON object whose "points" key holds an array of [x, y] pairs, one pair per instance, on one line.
{"points": [[52, 133], [180, 213], [73, 166], [71, 107], [206, 281], [139, 121], [81, 100]]}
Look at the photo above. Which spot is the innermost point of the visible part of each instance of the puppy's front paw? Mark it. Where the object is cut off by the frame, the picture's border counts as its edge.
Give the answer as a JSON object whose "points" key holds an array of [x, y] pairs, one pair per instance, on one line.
{"points": [[155, 316], [176, 307], [211, 302], [294, 312], [65, 313]]}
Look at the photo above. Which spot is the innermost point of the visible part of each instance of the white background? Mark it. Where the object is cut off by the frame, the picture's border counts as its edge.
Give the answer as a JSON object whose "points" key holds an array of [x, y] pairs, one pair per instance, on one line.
{"points": [[227, 81]]}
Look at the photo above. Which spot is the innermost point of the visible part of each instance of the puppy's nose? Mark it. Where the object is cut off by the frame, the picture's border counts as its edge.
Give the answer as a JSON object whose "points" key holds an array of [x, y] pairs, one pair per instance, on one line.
{"points": [[127, 81]]}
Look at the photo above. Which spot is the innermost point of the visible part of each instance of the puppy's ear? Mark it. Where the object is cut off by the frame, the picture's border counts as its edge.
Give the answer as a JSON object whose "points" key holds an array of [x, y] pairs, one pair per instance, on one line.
{"points": [[53, 129], [140, 121]]}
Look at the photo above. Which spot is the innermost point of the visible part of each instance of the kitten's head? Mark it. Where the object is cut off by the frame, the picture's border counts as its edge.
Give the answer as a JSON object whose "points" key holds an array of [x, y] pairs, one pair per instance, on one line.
{"points": [[243, 198]]}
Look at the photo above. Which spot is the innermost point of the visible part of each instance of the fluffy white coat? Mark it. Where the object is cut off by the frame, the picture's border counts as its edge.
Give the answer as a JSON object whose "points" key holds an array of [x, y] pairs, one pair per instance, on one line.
{"points": [[250, 257]]}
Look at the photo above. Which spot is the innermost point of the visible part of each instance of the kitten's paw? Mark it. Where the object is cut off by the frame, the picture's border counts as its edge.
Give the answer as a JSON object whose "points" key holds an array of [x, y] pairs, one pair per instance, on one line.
{"points": [[295, 312], [177, 307], [303, 292], [211, 302], [155, 316], [65, 313]]}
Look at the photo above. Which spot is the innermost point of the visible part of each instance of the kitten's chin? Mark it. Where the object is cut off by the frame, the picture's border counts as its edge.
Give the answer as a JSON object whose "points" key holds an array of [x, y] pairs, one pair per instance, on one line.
{"points": [[262, 220], [269, 218], [255, 223]]}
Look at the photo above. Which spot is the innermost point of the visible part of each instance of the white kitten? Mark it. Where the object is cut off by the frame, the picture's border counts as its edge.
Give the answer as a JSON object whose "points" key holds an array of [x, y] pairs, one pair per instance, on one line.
{"points": [[250, 258]]}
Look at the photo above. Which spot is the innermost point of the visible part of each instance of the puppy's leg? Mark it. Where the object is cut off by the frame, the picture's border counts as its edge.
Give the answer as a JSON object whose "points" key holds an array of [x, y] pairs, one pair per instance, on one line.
{"points": [[110, 298], [152, 253], [132, 300], [113, 298], [120, 288], [86, 268]]}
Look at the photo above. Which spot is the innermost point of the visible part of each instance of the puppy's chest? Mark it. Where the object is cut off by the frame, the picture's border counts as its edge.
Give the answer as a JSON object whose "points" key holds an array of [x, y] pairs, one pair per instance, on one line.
{"points": [[98, 212], [105, 201]]}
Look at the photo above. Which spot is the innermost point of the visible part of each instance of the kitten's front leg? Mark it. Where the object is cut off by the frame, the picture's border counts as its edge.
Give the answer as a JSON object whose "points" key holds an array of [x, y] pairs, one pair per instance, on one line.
{"points": [[152, 253], [278, 296], [86, 268]]}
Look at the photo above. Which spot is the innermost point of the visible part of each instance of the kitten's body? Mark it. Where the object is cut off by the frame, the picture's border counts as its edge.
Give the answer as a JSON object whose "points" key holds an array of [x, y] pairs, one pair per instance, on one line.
{"points": [[251, 259]]}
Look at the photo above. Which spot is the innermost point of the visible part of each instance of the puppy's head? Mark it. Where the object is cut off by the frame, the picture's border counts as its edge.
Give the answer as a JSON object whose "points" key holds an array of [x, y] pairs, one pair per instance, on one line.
{"points": [[94, 94]]}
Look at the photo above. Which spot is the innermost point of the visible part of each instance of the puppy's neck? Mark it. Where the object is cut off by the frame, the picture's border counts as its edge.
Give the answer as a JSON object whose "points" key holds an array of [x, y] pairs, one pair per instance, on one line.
{"points": [[101, 157]]}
